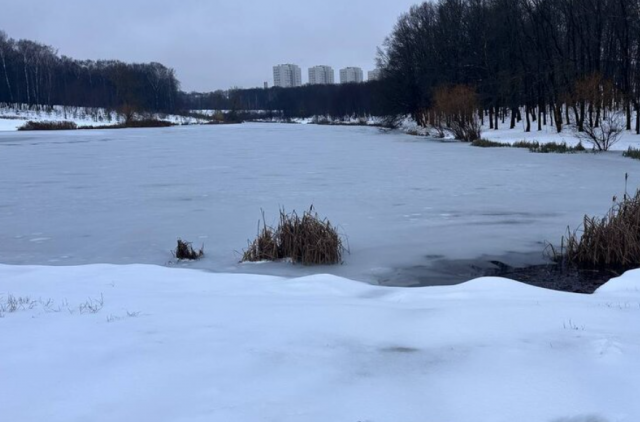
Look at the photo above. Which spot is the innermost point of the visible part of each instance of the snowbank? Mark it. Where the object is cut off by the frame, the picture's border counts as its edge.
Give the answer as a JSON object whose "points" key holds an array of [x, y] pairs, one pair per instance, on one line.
{"points": [[107, 343], [11, 118]]}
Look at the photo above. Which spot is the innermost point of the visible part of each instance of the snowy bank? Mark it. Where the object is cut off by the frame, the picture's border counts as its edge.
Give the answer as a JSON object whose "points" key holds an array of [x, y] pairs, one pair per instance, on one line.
{"points": [[105, 343], [13, 117], [504, 134]]}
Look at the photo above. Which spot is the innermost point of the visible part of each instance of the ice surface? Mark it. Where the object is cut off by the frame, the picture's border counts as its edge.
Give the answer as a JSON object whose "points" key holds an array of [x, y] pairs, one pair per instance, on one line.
{"points": [[176, 345], [125, 196]]}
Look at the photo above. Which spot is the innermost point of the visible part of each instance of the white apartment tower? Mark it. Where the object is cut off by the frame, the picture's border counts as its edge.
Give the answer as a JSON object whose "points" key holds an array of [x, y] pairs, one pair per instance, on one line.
{"points": [[287, 75], [321, 75], [351, 74]]}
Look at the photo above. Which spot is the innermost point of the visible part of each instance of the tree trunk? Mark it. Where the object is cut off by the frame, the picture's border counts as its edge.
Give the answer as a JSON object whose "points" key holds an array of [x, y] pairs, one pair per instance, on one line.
{"points": [[558, 117], [539, 119], [26, 79]]}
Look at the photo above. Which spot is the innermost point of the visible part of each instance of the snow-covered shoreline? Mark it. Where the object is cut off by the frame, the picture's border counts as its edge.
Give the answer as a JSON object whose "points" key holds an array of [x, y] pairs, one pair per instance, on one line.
{"points": [[11, 118], [183, 345]]}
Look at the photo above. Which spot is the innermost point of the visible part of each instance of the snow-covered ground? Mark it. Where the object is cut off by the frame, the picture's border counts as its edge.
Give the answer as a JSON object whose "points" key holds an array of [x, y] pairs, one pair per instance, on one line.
{"points": [[548, 133], [11, 118], [124, 197], [214, 112], [345, 120], [133, 343]]}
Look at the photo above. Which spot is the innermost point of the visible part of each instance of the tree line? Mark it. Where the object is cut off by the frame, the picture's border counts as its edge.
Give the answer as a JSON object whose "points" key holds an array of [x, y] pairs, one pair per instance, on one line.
{"points": [[35, 74], [540, 61], [354, 99]]}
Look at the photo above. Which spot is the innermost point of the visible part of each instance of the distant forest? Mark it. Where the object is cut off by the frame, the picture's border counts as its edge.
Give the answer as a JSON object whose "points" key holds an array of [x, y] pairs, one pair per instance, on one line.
{"points": [[538, 61], [34, 74], [358, 99]]}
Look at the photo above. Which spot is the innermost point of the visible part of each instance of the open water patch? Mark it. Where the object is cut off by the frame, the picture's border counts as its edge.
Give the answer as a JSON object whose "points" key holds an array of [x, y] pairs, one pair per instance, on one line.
{"points": [[531, 268]]}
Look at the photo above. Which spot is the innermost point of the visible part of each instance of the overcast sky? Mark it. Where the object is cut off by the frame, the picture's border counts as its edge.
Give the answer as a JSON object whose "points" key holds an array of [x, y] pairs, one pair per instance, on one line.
{"points": [[212, 44]]}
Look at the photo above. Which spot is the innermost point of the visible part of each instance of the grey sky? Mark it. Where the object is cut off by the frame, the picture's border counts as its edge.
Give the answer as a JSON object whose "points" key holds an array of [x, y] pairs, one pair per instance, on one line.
{"points": [[212, 44]]}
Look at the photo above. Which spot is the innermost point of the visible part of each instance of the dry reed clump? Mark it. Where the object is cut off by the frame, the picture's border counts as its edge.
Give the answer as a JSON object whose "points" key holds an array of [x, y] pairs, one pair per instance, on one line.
{"points": [[549, 147], [608, 243], [632, 153], [307, 240], [184, 250], [485, 143], [35, 125]]}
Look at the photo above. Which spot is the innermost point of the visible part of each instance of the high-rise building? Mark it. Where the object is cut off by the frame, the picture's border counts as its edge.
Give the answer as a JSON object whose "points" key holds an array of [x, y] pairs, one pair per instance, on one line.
{"points": [[321, 75], [373, 75], [351, 74], [287, 75]]}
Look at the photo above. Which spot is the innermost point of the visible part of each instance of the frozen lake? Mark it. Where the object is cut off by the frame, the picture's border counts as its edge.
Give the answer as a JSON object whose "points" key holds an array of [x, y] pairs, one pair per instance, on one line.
{"points": [[125, 196]]}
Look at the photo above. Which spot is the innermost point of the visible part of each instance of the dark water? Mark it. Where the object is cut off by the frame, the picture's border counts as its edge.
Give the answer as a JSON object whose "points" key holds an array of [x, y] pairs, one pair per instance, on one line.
{"points": [[530, 268]]}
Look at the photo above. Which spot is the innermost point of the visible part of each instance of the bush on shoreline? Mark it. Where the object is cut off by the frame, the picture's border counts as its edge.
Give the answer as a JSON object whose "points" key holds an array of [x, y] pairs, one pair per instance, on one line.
{"points": [[47, 125], [146, 123], [67, 125]]}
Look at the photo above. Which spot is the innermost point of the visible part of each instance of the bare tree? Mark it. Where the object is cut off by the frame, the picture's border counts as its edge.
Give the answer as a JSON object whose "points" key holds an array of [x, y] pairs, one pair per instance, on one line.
{"points": [[604, 135]]}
